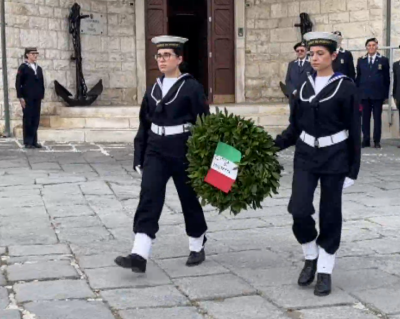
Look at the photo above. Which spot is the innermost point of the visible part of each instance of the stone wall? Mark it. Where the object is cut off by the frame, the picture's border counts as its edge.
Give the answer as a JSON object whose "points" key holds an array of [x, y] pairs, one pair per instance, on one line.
{"points": [[110, 57], [271, 35]]}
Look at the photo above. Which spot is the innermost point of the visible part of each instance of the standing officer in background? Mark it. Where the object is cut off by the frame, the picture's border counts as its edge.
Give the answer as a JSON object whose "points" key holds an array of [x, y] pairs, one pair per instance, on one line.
{"points": [[344, 63], [373, 81], [297, 70], [30, 92], [396, 85]]}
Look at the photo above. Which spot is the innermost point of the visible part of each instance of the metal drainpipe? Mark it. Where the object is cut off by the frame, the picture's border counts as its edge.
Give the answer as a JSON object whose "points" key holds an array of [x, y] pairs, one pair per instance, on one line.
{"points": [[388, 24], [5, 72]]}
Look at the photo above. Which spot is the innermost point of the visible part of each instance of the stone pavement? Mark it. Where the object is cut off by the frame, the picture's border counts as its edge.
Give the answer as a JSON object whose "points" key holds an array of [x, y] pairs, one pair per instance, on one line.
{"points": [[66, 213]]}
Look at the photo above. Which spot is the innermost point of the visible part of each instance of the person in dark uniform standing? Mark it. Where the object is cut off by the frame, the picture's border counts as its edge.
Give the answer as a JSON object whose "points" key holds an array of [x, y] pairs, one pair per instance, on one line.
{"points": [[325, 127], [373, 82], [30, 92], [396, 86], [297, 70], [169, 108], [344, 62]]}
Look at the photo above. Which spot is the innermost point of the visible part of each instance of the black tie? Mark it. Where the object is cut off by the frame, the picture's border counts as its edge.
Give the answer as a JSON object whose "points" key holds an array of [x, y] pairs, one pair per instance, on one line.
{"points": [[370, 62], [301, 63]]}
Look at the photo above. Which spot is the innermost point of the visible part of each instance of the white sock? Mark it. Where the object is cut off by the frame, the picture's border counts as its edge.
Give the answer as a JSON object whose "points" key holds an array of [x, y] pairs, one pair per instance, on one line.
{"points": [[326, 262], [310, 250], [142, 245], [196, 244]]}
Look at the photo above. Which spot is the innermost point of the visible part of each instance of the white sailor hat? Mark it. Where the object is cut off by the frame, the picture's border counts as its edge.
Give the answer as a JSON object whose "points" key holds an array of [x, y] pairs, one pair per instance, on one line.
{"points": [[326, 39], [169, 42]]}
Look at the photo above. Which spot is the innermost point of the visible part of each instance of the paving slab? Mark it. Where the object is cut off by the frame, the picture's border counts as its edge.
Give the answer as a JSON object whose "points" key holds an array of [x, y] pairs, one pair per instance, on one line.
{"points": [[161, 296], [176, 268], [41, 271], [214, 286], [385, 299], [69, 310], [70, 211], [4, 301], [295, 297], [10, 314], [336, 312], [2, 250], [116, 277], [36, 250], [27, 236], [364, 279], [84, 235], [52, 290], [247, 307], [164, 313], [271, 277], [97, 261], [77, 222]]}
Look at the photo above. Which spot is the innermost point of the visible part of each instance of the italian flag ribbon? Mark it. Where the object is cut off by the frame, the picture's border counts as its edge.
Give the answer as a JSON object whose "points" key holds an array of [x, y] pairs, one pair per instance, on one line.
{"points": [[224, 170]]}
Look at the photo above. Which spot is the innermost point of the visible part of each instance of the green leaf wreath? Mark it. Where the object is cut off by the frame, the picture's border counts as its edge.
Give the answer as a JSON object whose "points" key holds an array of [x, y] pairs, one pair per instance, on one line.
{"points": [[259, 170]]}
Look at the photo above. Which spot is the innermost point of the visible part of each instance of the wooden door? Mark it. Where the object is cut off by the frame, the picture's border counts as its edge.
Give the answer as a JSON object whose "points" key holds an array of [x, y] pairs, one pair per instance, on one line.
{"points": [[156, 24], [222, 51]]}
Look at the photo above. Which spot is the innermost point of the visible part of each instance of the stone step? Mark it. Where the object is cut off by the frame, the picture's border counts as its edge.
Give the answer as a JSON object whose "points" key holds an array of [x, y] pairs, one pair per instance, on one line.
{"points": [[92, 135], [58, 122], [133, 111], [83, 135]]}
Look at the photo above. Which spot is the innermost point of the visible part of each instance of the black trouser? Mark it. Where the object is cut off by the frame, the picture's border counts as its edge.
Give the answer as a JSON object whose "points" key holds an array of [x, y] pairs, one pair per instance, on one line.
{"points": [[330, 210], [157, 170], [31, 120], [374, 107]]}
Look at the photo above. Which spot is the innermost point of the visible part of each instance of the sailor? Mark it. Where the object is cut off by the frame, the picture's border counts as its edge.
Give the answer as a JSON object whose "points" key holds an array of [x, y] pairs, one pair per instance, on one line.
{"points": [[373, 82], [325, 127], [30, 92], [169, 108], [344, 63], [297, 70]]}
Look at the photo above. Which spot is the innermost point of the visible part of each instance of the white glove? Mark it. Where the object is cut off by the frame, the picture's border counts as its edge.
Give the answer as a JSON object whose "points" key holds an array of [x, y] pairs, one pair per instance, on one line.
{"points": [[348, 182], [139, 170]]}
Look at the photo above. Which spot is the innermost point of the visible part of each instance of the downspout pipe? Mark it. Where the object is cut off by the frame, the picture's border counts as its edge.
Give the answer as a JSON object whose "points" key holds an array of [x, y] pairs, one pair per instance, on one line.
{"points": [[7, 132], [388, 24]]}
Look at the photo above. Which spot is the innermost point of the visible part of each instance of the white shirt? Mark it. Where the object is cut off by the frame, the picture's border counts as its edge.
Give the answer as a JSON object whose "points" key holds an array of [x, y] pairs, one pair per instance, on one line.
{"points": [[33, 66], [168, 83], [373, 58], [301, 62], [320, 83]]}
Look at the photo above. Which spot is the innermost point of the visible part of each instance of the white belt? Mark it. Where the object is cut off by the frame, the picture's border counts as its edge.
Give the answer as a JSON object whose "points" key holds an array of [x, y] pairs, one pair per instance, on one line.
{"points": [[170, 130], [324, 141]]}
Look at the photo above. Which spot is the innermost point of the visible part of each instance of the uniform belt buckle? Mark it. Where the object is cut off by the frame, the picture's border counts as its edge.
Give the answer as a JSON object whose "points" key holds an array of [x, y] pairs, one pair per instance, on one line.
{"points": [[316, 143], [162, 130]]}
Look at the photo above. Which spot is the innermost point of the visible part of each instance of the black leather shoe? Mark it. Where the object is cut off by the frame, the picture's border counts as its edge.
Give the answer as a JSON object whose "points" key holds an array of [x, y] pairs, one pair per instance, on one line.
{"points": [[29, 146], [135, 262], [196, 258], [323, 286], [37, 145], [378, 145], [307, 274], [365, 144]]}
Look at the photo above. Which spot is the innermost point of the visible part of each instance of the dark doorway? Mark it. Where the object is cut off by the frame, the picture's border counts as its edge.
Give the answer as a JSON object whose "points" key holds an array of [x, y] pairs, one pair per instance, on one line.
{"points": [[188, 19]]}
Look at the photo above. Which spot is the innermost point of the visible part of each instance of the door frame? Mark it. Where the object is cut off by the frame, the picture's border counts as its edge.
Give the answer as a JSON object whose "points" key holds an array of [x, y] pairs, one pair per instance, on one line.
{"points": [[240, 55]]}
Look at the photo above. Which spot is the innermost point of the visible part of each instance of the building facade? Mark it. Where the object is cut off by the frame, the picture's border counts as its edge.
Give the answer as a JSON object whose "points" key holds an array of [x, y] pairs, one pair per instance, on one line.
{"points": [[238, 49]]}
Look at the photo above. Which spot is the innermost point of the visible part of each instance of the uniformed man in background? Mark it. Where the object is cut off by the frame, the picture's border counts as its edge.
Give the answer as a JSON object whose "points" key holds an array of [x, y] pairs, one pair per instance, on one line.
{"points": [[297, 70], [396, 86], [30, 92], [344, 63], [373, 81]]}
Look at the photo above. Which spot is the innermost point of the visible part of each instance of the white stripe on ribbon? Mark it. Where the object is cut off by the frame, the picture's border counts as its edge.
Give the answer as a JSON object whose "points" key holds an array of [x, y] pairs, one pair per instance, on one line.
{"points": [[225, 167]]}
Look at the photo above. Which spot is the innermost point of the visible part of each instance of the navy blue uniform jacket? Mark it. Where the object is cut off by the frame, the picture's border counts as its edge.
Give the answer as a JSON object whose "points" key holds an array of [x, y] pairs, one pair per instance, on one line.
{"points": [[373, 83], [28, 85]]}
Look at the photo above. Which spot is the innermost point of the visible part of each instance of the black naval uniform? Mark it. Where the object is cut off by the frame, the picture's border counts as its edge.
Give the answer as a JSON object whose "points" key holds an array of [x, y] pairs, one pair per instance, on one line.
{"points": [[163, 157], [30, 87], [344, 63], [396, 84], [332, 110], [296, 74]]}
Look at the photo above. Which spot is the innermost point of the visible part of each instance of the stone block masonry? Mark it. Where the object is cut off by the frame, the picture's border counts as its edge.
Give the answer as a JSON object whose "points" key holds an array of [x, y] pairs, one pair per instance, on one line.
{"points": [[44, 23], [271, 35]]}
